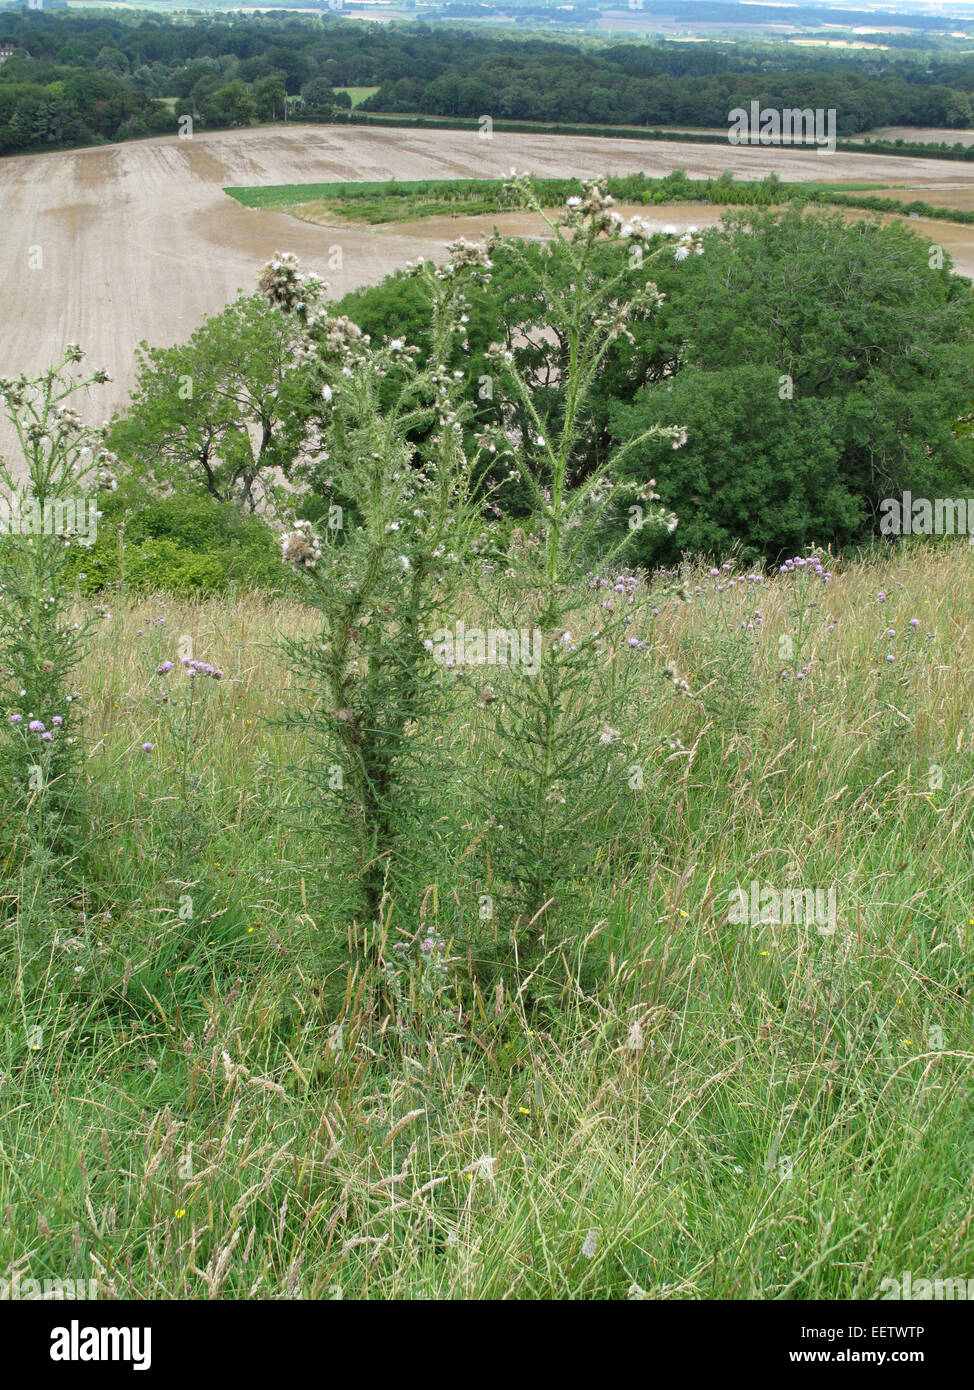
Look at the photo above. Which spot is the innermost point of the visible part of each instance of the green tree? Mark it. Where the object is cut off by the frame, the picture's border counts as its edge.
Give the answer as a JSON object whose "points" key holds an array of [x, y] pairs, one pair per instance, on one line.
{"points": [[231, 105], [318, 96], [269, 97], [823, 368], [226, 410]]}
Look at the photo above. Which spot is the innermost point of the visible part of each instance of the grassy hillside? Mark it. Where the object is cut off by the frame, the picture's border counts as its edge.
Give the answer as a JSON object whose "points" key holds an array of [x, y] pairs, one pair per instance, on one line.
{"points": [[202, 1092]]}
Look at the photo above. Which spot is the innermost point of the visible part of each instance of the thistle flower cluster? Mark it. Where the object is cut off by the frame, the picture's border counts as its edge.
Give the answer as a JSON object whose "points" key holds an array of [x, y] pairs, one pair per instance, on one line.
{"points": [[671, 674], [636, 230], [192, 668], [201, 668], [37, 726], [689, 244], [812, 563], [339, 337], [13, 392], [468, 259], [301, 548], [625, 583], [724, 579], [593, 210], [289, 288], [65, 418]]}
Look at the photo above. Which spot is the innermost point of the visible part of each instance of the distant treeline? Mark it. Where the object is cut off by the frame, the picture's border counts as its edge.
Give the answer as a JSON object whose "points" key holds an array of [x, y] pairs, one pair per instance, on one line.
{"points": [[76, 78]]}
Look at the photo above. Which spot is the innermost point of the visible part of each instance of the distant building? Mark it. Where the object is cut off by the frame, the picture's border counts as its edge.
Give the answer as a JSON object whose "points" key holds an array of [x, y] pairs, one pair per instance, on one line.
{"points": [[7, 50]]}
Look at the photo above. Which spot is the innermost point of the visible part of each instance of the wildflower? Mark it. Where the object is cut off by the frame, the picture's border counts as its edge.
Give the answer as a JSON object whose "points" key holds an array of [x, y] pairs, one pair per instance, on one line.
{"points": [[16, 719], [672, 674], [147, 748], [428, 945], [301, 548], [164, 668], [35, 726], [47, 735], [914, 622], [590, 1244]]}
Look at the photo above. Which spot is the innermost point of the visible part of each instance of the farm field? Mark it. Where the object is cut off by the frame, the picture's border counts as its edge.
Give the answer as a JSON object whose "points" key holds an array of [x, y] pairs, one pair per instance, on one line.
{"points": [[139, 241]]}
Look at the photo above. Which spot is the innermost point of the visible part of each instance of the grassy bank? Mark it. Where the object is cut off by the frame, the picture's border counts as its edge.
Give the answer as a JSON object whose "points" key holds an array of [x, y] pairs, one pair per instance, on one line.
{"points": [[203, 1094]]}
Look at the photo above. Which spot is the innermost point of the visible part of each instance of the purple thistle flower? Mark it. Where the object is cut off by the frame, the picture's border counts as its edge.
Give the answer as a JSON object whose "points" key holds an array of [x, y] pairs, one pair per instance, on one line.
{"points": [[35, 726], [57, 721], [47, 735], [164, 669], [147, 748], [16, 719]]}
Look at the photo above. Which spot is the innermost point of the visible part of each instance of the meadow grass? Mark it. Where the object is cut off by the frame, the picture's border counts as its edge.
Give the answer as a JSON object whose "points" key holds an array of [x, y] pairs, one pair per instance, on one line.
{"points": [[206, 1093], [358, 94]]}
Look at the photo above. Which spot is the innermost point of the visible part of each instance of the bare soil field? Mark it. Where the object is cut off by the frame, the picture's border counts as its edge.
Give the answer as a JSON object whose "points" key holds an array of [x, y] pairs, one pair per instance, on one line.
{"points": [[109, 246]]}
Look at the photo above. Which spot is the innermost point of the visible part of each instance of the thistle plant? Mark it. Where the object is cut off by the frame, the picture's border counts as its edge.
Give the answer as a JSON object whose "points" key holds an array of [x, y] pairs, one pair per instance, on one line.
{"points": [[390, 437], [182, 701], [568, 734], [47, 504]]}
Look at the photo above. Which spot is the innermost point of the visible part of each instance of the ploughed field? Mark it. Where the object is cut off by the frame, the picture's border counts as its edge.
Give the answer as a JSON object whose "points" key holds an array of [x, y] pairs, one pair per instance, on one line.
{"points": [[109, 246]]}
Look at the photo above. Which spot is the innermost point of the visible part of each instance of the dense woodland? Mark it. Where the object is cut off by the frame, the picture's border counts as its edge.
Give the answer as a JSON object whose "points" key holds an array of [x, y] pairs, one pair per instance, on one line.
{"points": [[77, 79]]}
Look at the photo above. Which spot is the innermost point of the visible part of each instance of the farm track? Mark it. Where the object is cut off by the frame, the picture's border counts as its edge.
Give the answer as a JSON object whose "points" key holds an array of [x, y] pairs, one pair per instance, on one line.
{"points": [[138, 241]]}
